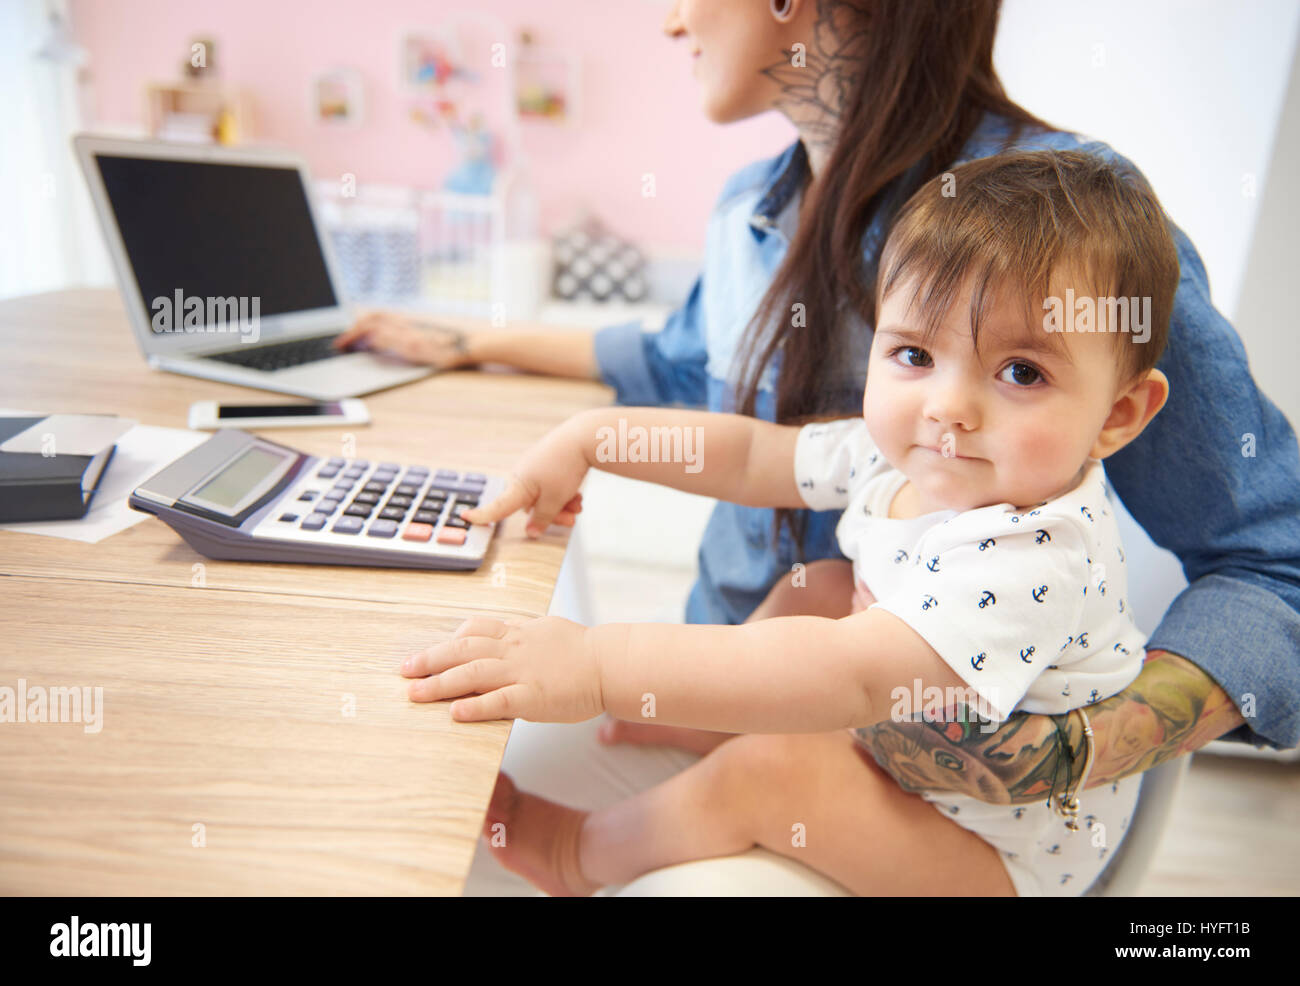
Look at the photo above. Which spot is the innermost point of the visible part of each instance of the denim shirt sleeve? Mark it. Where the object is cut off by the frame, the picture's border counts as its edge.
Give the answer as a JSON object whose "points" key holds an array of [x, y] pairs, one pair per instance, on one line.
{"points": [[657, 368], [1215, 478]]}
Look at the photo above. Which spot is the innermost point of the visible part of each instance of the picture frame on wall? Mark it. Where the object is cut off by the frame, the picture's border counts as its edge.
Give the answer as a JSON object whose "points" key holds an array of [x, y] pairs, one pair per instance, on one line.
{"points": [[337, 98]]}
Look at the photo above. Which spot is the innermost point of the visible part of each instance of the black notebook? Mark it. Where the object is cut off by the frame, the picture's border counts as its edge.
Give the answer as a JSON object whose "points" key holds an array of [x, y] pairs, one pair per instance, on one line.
{"points": [[42, 483]]}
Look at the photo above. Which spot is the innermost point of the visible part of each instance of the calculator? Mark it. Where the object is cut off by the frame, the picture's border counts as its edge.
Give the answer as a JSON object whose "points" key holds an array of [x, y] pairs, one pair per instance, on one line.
{"points": [[239, 496]]}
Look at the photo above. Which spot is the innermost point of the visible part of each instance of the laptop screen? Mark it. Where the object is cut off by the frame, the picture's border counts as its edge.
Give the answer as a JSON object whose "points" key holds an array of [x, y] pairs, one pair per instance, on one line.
{"points": [[217, 231]]}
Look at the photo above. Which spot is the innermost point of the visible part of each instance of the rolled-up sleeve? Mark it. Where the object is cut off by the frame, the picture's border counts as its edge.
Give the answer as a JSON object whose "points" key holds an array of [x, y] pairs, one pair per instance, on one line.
{"points": [[658, 368], [1215, 478]]}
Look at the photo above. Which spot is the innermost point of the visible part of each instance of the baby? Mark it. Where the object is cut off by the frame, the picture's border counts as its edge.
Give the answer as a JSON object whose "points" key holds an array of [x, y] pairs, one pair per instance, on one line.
{"points": [[1022, 302]]}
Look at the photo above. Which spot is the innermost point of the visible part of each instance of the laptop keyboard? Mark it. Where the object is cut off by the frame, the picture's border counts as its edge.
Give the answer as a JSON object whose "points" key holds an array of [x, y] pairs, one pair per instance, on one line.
{"points": [[278, 355]]}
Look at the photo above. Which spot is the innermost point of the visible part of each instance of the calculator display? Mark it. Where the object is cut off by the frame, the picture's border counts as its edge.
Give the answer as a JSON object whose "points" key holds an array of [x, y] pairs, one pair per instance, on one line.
{"points": [[230, 486]]}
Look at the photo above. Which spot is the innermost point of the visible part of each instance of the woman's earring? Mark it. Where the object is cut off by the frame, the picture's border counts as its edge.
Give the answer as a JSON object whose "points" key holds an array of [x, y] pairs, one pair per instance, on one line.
{"points": [[780, 8]]}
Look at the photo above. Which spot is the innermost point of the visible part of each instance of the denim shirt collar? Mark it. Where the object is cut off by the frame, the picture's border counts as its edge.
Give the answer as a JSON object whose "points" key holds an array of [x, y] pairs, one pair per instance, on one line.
{"points": [[788, 177]]}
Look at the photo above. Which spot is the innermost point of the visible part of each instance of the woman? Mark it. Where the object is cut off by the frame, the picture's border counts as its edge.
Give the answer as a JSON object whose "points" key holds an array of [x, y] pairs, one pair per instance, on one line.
{"points": [[884, 96]]}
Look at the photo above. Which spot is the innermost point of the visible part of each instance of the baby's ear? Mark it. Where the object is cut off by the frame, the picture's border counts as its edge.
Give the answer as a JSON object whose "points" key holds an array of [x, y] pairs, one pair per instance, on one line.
{"points": [[1133, 409]]}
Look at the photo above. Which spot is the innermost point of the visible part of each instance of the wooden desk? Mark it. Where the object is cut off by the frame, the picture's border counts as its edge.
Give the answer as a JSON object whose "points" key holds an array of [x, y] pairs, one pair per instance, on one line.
{"points": [[260, 702]]}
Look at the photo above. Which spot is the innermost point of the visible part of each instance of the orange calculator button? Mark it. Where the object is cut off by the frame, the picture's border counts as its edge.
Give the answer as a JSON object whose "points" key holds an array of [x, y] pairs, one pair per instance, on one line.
{"points": [[417, 532], [451, 535]]}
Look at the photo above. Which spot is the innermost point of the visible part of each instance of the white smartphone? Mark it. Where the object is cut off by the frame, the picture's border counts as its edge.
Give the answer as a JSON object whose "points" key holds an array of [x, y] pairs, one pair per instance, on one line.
{"points": [[209, 415]]}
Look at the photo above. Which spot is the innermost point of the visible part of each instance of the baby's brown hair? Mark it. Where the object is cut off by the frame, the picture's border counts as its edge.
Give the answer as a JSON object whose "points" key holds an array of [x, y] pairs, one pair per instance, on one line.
{"points": [[1023, 220]]}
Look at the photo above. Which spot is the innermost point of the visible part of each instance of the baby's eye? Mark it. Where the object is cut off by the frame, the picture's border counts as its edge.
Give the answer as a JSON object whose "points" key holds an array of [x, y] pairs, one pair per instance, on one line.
{"points": [[912, 356], [1021, 374]]}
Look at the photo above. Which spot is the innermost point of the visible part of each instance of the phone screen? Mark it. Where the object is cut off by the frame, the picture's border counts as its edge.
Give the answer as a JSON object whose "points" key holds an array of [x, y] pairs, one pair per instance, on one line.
{"points": [[227, 411]]}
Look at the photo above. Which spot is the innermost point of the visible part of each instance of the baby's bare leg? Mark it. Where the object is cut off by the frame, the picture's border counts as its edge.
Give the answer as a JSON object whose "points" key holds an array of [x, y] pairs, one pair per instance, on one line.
{"points": [[814, 798], [821, 588]]}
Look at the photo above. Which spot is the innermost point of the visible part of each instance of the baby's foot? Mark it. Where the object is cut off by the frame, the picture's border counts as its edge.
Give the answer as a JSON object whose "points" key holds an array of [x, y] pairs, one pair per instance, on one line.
{"points": [[613, 731], [540, 840]]}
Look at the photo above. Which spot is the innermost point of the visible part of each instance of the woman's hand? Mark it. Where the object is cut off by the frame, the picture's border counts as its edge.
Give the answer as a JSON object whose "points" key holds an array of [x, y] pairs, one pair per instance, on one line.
{"points": [[544, 670], [546, 482], [443, 347]]}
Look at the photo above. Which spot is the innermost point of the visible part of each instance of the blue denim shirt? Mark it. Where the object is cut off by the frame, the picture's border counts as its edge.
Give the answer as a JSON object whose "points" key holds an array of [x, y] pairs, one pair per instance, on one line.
{"points": [[1232, 518]]}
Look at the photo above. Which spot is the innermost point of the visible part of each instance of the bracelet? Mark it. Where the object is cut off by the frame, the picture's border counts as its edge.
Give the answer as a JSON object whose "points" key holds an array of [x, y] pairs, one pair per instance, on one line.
{"points": [[1068, 803]]}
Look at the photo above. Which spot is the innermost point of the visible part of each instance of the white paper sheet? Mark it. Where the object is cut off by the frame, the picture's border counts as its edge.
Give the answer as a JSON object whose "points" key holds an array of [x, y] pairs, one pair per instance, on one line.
{"points": [[141, 452]]}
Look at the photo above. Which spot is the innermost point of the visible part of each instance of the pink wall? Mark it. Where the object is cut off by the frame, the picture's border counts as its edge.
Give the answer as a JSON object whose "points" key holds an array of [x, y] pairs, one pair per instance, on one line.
{"points": [[639, 108]]}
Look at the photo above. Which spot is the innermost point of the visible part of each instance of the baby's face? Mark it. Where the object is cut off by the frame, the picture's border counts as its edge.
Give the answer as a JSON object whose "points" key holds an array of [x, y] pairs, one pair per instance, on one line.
{"points": [[1015, 422]]}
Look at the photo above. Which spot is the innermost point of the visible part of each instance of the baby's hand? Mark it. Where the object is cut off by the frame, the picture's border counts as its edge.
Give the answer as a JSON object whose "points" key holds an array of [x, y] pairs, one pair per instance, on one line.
{"points": [[544, 670], [545, 482]]}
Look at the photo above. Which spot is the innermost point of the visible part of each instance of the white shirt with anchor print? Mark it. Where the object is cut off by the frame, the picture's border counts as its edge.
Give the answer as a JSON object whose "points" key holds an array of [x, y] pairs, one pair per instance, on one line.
{"points": [[1027, 605]]}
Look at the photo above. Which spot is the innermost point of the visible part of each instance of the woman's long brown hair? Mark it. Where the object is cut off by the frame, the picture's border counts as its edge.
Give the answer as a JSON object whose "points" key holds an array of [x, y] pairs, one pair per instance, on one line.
{"points": [[926, 80]]}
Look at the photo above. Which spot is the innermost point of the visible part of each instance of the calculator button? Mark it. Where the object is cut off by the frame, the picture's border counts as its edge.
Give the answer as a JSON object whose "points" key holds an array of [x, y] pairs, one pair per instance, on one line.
{"points": [[373, 487], [414, 478], [354, 473], [406, 489], [456, 522], [341, 490], [451, 535], [314, 522], [327, 506], [364, 497], [347, 525], [426, 516], [475, 477], [288, 518], [382, 528], [417, 532], [308, 495], [435, 502], [329, 472], [451, 486], [335, 463], [388, 467], [359, 510], [361, 464], [446, 474], [384, 474], [466, 500], [392, 513], [397, 500]]}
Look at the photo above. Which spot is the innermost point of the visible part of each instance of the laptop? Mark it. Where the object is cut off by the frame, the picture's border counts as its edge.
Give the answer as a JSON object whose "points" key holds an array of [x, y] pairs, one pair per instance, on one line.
{"points": [[224, 268]]}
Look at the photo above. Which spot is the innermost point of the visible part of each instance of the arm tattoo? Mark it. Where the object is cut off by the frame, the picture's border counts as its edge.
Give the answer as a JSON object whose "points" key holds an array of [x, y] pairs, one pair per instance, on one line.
{"points": [[1171, 708], [815, 84], [452, 337]]}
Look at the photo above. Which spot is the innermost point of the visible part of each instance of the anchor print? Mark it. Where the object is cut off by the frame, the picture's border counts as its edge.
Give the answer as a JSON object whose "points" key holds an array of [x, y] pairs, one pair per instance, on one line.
{"points": [[1093, 696], [806, 484], [900, 557], [1068, 642], [933, 564], [1041, 536], [1101, 587], [1101, 853], [987, 543], [871, 461], [1055, 850], [988, 599], [1017, 812], [1083, 641], [977, 662], [866, 510], [1121, 605], [1086, 512], [953, 809], [1040, 593], [852, 472], [841, 491], [1065, 878], [1121, 648], [1026, 653], [1064, 691], [1121, 553], [929, 602]]}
